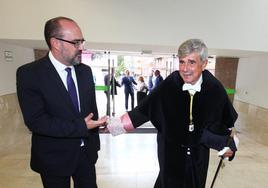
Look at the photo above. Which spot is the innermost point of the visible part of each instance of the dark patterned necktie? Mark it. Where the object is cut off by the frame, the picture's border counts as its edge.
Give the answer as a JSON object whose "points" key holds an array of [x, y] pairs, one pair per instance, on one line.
{"points": [[71, 88]]}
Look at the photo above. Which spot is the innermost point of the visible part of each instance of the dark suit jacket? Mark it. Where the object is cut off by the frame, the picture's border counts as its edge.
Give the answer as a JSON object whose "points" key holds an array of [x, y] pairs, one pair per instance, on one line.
{"points": [[128, 84], [113, 84], [158, 80], [49, 114]]}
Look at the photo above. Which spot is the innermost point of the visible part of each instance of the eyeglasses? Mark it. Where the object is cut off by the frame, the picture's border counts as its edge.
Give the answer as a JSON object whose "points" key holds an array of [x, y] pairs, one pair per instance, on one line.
{"points": [[76, 43]]}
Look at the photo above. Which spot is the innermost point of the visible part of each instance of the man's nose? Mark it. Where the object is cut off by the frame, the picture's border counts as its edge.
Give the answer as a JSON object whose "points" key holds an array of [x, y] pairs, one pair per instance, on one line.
{"points": [[81, 47], [185, 66]]}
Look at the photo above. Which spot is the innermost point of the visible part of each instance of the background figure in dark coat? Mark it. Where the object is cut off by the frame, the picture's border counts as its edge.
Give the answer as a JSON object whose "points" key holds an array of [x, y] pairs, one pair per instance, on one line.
{"points": [[158, 79], [65, 139], [192, 113], [113, 84], [150, 81], [128, 82]]}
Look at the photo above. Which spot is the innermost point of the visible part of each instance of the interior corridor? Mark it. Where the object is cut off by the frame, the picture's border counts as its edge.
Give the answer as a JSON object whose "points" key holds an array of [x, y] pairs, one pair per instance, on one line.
{"points": [[130, 160]]}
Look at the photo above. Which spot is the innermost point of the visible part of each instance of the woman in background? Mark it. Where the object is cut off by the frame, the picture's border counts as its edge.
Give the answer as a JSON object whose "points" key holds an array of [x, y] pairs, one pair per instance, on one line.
{"points": [[142, 90]]}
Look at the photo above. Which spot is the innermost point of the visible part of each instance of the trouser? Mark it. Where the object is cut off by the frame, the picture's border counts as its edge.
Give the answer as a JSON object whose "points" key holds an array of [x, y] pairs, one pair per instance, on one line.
{"points": [[140, 96], [126, 100], [83, 177]]}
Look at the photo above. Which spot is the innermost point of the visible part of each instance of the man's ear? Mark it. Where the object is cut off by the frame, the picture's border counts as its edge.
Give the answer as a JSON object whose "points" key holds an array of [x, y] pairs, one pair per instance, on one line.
{"points": [[204, 64], [55, 44]]}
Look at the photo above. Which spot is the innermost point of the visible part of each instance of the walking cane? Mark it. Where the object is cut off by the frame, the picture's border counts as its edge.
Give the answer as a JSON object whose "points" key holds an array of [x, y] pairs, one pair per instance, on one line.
{"points": [[217, 172], [221, 161]]}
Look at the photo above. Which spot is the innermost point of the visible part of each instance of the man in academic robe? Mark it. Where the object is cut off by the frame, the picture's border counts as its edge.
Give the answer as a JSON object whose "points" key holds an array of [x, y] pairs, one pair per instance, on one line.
{"points": [[192, 113]]}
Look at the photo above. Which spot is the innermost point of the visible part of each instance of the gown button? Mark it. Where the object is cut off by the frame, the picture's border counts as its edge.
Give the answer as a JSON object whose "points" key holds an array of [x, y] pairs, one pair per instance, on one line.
{"points": [[188, 151]]}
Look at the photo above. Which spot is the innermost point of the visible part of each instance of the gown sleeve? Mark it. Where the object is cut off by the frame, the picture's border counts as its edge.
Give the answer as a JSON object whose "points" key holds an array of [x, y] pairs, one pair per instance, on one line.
{"points": [[221, 118], [150, 109]]}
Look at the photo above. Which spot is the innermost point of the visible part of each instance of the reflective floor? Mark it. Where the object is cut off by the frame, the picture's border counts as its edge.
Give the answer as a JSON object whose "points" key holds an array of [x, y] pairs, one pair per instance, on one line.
{"points": [[128, 161]]}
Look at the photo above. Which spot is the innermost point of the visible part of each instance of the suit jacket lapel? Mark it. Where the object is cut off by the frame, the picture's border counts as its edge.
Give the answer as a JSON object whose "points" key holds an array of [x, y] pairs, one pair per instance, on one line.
{"points": [[57, 84], [81, 84]]}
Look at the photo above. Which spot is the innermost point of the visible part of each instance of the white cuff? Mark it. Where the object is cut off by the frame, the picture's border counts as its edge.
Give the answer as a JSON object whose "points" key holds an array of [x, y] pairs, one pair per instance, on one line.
{"points": [[223, 151], [236, 140], [115, 126]]}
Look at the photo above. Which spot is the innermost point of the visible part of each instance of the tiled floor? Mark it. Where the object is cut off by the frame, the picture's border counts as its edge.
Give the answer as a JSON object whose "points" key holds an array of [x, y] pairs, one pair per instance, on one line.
{"points": [[128, 161]]}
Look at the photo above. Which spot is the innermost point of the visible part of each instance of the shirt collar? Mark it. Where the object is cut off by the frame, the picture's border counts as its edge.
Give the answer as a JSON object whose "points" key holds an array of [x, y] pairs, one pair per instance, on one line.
{"points": [[58, 65], [195, 87]]}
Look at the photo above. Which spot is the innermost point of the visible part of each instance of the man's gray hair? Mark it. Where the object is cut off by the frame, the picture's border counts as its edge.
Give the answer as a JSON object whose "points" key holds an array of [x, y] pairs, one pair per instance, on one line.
{"points": [[193, 46]]}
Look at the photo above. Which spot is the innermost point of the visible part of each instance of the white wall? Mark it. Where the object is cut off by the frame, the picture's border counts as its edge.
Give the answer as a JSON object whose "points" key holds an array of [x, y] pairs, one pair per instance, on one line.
{"points": [[8, 69], [251, 82], [228, 24]]}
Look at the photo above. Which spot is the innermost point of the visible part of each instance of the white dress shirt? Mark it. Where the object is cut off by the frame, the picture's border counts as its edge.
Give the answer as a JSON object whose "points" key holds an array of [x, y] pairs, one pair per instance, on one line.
{"points": [[193, 88], [63, 73]]}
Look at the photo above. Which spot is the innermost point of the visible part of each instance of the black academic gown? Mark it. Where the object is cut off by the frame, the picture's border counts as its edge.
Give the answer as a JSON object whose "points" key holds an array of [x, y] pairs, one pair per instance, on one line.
{"points": [[168, 107]]}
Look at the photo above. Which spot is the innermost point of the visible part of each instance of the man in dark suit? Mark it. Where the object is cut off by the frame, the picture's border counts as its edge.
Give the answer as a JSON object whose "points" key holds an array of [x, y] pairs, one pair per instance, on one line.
{"points": [[57, 98], [113, 91], [128, 82], [150, 81], [158, 79]]}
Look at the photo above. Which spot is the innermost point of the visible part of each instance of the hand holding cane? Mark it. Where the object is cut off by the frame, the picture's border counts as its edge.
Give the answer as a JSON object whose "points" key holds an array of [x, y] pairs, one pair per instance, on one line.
{"points": [[221, 164]]}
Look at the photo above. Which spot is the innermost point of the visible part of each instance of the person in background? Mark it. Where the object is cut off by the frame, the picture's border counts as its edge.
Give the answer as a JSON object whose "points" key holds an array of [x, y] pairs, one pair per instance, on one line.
{"points": [[150, 81], [192, 114], [142, 90], [57, 99], [128, 82], [113, 84], [158, 79]]}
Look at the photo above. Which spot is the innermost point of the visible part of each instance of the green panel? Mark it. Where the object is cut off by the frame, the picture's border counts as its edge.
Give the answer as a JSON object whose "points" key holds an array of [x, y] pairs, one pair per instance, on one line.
{"points": [[105, 88], [101, 88], [230, 91]]}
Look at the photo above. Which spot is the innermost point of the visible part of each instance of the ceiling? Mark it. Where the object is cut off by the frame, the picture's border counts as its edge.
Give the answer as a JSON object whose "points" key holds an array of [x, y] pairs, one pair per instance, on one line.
{"points": [[134, 49]]}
